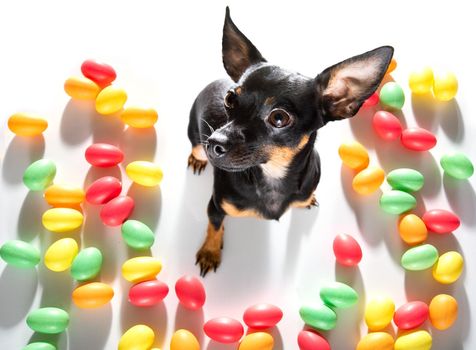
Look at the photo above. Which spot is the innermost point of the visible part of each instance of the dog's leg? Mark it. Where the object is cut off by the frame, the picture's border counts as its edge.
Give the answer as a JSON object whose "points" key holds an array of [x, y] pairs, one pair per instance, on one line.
{"points": [[308, 203], [197, 159], [209, 255]]}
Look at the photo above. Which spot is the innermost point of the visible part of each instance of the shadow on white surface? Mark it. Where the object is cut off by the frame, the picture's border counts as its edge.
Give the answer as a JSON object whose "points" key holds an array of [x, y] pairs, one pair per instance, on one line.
{"points": [[89, 328], [191, 320], [461, 198], [29, 220]]}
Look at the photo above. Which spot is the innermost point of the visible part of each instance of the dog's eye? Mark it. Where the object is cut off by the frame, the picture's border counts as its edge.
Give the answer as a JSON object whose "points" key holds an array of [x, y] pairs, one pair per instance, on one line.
{"points": [[230, 99], [279, 118]]}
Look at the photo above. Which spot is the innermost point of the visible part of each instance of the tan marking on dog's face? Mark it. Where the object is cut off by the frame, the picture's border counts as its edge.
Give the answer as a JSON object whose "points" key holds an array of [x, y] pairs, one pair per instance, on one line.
{"points": [[238, 90], [269, 101], [199, 153], [231, 210]]}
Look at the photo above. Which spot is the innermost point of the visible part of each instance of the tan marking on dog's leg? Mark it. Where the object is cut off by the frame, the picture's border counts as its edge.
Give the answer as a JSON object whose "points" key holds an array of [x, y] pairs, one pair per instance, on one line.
{"points": [[308, 203], [209, 255], [231, 210], [197, 159]]}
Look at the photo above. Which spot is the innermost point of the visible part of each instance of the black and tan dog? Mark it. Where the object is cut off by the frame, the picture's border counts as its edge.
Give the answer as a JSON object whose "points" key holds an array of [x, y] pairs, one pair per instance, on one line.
{"points": [[258, 131]]}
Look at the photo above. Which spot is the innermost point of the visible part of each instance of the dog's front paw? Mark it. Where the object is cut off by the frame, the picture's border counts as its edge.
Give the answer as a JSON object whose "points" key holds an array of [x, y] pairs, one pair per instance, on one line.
{"points": [[197, 165], [208, 259], [313, 202]]}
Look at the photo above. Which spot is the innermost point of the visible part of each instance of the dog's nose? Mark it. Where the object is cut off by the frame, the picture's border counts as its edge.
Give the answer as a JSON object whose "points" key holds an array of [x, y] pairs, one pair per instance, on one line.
{"points": [[216, 147]]}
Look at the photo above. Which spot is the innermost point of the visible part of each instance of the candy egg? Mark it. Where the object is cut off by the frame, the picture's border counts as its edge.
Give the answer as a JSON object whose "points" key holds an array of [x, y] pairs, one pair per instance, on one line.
{"points": [[62, 219], [368, 180], [81, 88], [391, 95], [376, 341], [418, 139], [421, 81], [92, 295], [183, 339], [354, 155], [117, 210], [387, 126], [404, 179], [379, 313], [99, 72], [448, 268], [103, 155], [25, 124], [144, 173], [139, 117], [39, 346], [257, 341], [223, 330], [87, 264], [49, 320], [392, 66], [137, 235], [443, 311], [412, 229], [20, 254], [262, 316], [457, 165], [338, 295], [441, 221], [417, 340], [110, 100], [139, 337], [397, 202], [346, 250], [103, 190], [64, 196], [318, 316], [59, 256], [445, 86], [39, 175], [419, 258], [411, 315], [141, 268], [190, 292], [371, 101], [148, 293], [309, 340]]}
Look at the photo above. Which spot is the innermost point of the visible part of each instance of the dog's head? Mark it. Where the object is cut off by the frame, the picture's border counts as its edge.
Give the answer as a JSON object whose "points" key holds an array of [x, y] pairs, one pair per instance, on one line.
{"points": [[272, 112]]}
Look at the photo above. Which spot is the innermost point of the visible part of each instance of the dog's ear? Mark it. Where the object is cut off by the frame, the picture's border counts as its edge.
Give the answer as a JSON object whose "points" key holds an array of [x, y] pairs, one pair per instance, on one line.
{"points": [[238, 52], [342, 88]]}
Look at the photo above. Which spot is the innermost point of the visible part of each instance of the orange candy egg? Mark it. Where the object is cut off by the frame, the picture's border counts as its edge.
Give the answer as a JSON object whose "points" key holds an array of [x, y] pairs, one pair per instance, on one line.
{"points": [[92, 295]]}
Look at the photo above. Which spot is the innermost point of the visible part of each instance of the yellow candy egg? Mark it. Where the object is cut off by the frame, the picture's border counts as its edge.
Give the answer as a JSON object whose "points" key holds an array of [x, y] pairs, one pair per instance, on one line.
{"points": [[64, 196], [81, 88], [139, 117], [443, 311], [92, 295], [138, 337], [110, 100], [142, 268], [445, 86], [379, 313], [354, 155], [412, 229], [144, 173], [257, 341], [183, 339], [60, 255], [25, 124], [421, 81], [416, 340], [368, 180], [448, 268], [374, 341], [62, 219]]}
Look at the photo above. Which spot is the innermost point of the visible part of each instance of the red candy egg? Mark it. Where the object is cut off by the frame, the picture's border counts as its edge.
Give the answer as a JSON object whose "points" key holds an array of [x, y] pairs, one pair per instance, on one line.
{"points": [[309, 340], [148, 293], [440, 221], [347, 250], [190, 292], [371, 101], [224, 330], [101, 73], [262, 316], [116, 211], [418, 139], [387, 126], [411, 315], [103, 155], [103, 190]]}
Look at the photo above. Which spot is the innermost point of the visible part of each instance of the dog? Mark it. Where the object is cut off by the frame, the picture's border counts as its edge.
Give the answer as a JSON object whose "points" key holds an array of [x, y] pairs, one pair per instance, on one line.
{"points": [[258, 131]]}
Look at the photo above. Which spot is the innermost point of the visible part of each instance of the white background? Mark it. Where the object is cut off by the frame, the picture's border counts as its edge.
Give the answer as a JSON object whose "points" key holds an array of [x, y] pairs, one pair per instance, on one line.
{"points": [[165, 53]]}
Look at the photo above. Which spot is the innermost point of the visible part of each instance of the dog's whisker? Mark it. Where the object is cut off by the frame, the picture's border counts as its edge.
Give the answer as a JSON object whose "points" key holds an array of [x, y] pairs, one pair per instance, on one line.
{"points": [[211, 128]]}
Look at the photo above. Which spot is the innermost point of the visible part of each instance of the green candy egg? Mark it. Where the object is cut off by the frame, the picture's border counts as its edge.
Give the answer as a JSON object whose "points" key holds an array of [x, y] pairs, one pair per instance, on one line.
{"points": [[20, 254], [39, 175], [419, 258], [49, 320], [39, 346], [391, 95], [404, 179], [338, 294], [457, 165], [137, 235], [87, 264], [319, 316], [397, 202]]}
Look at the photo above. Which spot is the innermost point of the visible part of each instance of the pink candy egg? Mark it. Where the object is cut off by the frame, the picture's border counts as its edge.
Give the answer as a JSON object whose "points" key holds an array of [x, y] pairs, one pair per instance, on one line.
{"points": [[190, 292], [101, 73], [116, 211], [262, 316], [103, 190], [148, 293], [347, 250], [387, 126], [371, 101], [418, 139], [224, 330], [411, 315], [441, 221], [103, 155], [309, 340]]}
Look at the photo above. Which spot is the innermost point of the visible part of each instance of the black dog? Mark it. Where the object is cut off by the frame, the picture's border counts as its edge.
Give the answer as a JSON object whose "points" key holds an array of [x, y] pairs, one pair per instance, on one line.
{"points": [[258, 131]]}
